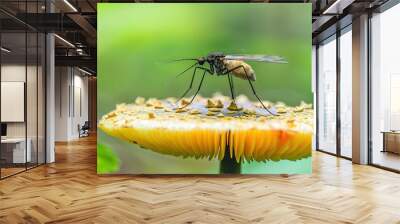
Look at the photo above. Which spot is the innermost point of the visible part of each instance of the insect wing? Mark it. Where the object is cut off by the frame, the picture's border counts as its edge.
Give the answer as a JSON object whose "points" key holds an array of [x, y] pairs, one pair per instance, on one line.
{"points": [[262, 58]]}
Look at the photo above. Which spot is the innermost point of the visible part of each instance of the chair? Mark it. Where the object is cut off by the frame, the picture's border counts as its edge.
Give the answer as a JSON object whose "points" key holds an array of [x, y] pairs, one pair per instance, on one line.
{"points": [[84, 129]]}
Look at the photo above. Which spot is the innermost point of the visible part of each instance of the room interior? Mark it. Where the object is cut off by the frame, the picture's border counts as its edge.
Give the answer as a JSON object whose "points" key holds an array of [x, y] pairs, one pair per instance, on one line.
{"points": [[22, 102], [49, 127]]}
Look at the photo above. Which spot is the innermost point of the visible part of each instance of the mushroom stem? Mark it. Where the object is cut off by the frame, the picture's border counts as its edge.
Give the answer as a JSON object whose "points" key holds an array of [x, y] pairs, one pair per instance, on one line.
{"points": [[228, 164]]}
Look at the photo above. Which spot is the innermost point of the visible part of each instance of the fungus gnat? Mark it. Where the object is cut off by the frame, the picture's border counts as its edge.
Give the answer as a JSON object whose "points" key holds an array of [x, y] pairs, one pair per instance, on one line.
{"points": [[220, 64]]}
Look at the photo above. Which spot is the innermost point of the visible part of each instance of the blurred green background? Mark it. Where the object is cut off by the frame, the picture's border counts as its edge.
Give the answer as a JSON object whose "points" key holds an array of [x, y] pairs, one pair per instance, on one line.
{"points": [[137, 41]]}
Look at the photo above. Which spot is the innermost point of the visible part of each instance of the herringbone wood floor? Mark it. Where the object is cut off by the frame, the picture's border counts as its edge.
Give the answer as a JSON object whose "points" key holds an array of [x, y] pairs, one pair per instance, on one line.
{"points": [[70, 191]]}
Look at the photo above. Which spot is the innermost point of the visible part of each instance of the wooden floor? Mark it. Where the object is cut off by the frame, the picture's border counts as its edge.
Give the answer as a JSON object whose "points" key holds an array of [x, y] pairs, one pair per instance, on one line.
{"points": [[5, 172], [70, 191], [386, 159]]}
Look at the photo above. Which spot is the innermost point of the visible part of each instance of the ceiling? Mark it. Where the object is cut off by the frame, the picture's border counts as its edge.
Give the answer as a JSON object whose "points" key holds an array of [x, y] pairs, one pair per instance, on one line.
{"points": [[75, 22]]}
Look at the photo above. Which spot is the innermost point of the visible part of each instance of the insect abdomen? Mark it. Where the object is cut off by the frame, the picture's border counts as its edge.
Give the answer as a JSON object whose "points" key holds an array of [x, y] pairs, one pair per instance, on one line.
{"points": [[241, 69]]}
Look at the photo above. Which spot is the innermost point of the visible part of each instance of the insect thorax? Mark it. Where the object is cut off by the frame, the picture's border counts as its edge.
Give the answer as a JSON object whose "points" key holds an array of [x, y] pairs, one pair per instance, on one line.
{"points": [[219, 67]]}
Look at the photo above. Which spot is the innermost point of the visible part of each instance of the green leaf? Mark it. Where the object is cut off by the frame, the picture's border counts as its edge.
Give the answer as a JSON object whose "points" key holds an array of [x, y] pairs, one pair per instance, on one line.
{"points": [[107, 160]]}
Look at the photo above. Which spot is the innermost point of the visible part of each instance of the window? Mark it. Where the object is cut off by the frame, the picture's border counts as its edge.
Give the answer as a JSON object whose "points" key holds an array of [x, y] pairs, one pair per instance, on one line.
{"points": [[385, 89], [22, 77], [327, 95], [346, 92]]}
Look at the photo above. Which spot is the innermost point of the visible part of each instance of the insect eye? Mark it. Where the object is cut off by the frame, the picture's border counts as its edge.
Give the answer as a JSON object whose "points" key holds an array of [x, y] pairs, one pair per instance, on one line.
{"points": [[201, 61]]}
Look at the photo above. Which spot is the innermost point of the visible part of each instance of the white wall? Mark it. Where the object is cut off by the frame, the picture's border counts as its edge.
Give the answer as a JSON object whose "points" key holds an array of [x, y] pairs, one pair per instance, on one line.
{"points": [[16, 73], [71, 102], [80, 109], [62, 82], [13, 101]]}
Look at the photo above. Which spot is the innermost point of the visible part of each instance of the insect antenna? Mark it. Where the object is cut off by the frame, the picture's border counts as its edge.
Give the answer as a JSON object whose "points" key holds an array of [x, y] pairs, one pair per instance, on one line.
{"points": [[184, 59], [187, 69]]}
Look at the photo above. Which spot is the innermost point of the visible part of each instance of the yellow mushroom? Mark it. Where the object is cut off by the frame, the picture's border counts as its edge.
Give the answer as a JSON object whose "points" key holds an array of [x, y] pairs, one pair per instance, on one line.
{"points": [[250, 138]]}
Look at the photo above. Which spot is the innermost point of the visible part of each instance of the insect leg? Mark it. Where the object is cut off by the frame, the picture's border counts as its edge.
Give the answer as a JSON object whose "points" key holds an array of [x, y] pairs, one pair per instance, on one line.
{"points": [[255, 94], [192, 80], [231, 87], [252, 88], [198, 89], [190, 86]]}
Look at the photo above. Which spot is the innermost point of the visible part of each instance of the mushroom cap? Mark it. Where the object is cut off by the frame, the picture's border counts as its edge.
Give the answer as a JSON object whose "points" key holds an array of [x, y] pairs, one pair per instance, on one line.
{"points": [[202, 132]]}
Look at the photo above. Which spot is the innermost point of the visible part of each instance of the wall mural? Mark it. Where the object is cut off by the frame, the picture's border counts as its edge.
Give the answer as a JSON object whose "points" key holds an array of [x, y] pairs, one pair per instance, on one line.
{"points": [[204, 88]]}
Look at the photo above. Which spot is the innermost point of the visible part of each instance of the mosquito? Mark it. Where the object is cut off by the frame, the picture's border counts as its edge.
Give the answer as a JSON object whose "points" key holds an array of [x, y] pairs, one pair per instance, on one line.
{"points": [[227, 65]]}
